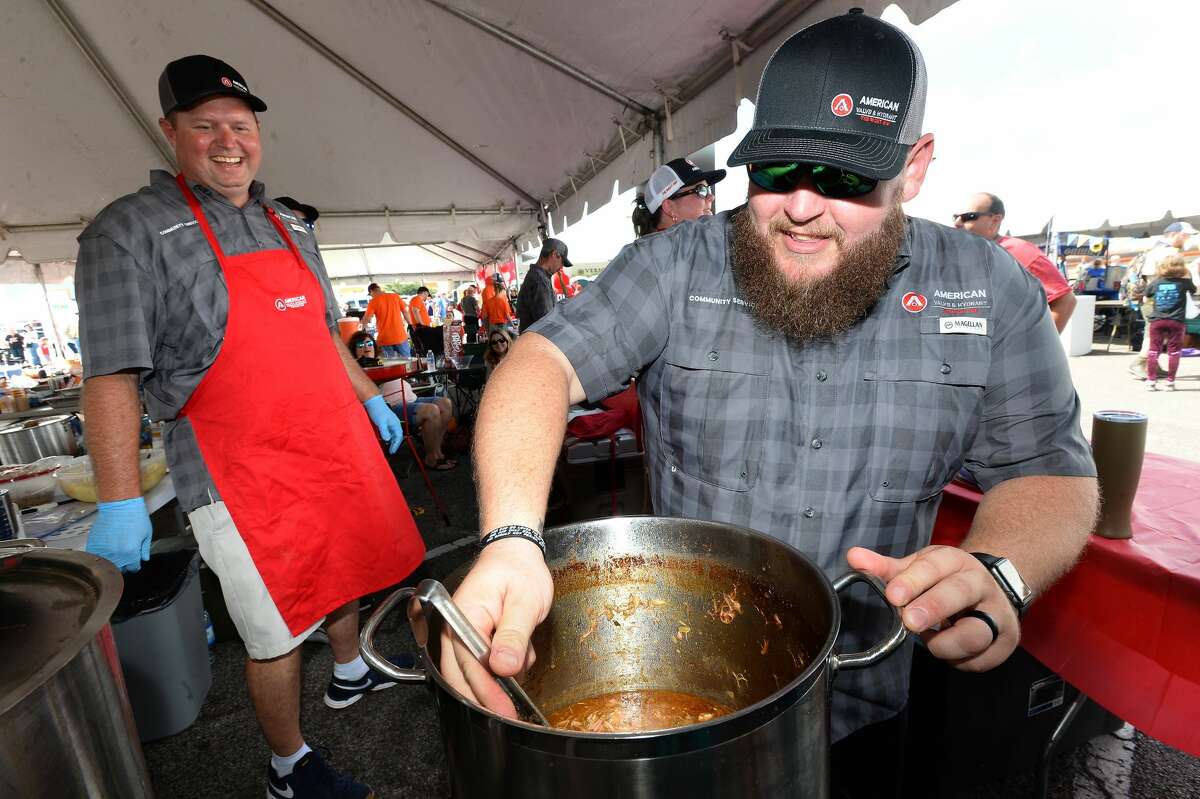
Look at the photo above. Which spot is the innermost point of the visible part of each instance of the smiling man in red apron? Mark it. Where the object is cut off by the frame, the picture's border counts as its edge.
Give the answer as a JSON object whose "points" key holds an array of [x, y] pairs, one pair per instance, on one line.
{"points": [[216, 301]]}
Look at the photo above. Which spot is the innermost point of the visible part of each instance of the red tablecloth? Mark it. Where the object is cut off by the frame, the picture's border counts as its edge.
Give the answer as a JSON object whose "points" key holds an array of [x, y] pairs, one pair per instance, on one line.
{"points": [[1124, 625], [382, 374]]}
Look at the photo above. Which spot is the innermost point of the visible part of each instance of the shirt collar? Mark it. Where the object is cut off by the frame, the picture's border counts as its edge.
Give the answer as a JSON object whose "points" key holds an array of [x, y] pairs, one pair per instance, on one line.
{"points": [[162, 179]]}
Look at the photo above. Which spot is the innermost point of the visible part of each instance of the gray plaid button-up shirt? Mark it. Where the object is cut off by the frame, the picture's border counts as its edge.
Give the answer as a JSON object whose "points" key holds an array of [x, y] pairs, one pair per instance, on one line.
{"points": [[833, 444], [152, 299]]}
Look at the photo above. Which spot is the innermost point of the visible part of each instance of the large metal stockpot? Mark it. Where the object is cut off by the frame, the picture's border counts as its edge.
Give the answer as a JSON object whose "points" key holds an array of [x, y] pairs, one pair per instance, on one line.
{"points": [[66, 729], [641, 603], [33, 439]]}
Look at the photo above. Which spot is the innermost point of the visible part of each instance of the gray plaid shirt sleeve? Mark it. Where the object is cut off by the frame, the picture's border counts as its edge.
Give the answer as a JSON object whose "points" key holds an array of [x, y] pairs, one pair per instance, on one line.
{"points": [[618, 324], [1029, 418], [118, 308]]}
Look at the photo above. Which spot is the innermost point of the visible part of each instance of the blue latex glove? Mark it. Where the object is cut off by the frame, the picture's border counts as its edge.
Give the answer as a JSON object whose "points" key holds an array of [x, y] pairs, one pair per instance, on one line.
{"points": [[121, 533], [386, 422]]}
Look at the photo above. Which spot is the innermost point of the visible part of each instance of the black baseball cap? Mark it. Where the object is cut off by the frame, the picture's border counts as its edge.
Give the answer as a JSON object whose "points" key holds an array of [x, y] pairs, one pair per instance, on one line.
{"points": [[555, 245], [193, 78], [310, 213], [847, 92], [674, 176]]}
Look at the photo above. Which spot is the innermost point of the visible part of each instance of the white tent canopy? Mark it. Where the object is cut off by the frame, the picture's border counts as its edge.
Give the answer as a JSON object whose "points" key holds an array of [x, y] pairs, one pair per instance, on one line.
{"points": [[428, 121]]}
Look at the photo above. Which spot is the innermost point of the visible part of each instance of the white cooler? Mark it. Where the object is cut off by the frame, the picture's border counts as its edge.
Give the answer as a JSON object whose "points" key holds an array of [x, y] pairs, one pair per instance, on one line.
{"points": [[1077, 335]]}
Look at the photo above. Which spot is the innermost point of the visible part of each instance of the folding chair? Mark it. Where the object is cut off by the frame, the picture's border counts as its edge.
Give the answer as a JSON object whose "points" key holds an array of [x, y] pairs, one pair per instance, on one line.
{"points": [[410, 436]]}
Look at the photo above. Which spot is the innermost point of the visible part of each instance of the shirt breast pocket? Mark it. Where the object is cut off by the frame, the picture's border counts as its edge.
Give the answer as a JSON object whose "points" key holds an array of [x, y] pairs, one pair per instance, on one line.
{"points": [[712, 418], [925, 414]]}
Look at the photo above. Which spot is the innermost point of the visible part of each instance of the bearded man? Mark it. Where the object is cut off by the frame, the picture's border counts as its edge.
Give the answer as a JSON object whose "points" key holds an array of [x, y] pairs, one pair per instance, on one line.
{"points": [[816, 366]]}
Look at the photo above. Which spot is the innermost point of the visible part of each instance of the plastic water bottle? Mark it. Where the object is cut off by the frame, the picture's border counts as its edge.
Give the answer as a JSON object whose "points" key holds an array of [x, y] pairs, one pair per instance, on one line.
{"points": [[431, 361]]}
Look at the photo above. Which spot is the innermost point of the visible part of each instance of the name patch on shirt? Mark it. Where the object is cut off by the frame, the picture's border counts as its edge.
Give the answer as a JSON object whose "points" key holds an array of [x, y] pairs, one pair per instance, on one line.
{"points": [[299, 229], [719, 300], [974, 325], [178, 226]]}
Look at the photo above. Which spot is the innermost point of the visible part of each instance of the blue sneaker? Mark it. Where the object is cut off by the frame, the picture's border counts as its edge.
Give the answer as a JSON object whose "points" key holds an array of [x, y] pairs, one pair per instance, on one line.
{"points": [[344, 693], [312, 778]]}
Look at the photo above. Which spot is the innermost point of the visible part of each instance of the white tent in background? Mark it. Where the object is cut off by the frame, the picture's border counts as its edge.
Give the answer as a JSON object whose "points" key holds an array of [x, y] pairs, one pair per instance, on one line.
{"points": [[430, 121]]}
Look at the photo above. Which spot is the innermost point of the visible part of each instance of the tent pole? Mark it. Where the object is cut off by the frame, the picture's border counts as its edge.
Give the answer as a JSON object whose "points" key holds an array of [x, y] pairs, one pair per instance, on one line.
{"points": [[110, 79], [562, 66], [41, 276], [391, 99]]}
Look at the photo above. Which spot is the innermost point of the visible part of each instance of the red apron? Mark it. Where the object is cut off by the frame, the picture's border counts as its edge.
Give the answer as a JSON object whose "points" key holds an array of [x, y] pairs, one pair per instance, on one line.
{"points": [[290, 447]]}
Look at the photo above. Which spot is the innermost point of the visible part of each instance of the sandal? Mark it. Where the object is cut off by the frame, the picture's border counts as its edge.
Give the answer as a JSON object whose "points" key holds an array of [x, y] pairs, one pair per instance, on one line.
{"points": [[444, 465]]}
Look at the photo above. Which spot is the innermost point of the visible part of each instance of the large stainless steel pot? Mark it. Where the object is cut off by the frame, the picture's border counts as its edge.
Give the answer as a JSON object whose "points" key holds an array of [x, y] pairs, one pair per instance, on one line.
{"points": [[645, 603], [33, 439], [65, 724]]}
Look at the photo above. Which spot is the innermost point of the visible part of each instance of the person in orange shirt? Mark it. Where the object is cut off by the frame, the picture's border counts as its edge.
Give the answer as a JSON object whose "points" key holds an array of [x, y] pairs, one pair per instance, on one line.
{"points": [[391, 322], [424, 336], [496, 310]]}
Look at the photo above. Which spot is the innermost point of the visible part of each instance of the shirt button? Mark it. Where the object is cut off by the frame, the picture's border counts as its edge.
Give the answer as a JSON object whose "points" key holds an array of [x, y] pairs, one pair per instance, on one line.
{"points": [[945, 368], [821, 376], [816, 443], [809, 513], [885, 483], [673, 469], [712, 355]]}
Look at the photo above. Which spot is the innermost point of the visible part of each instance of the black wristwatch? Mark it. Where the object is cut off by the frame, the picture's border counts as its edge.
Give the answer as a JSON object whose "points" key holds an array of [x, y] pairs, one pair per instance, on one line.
{"points": [[1010, 581]]}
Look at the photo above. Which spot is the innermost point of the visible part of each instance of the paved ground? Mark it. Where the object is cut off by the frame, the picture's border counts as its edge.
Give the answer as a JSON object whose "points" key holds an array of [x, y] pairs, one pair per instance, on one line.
{"points": [[392, 739], [1104, 383]]}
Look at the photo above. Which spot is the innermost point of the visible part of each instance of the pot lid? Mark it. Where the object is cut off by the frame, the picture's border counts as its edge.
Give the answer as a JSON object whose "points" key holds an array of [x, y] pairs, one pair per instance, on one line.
{"points": [[53, 603], [30, 424]]}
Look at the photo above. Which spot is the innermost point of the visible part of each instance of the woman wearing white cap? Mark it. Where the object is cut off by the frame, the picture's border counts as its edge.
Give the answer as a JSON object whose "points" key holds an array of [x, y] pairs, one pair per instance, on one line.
{"points": [[678, 190]]}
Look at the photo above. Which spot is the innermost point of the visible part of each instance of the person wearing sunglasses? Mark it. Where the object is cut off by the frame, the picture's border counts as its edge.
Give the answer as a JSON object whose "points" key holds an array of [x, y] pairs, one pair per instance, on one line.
{"points": [[499, 343], [677, 191], [817, 366], [984, 214], [362, 347]]}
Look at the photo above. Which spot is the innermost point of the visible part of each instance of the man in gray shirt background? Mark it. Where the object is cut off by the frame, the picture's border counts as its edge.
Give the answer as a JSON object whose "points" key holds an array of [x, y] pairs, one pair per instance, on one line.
{"points": [[817, 366], [536, 298]]}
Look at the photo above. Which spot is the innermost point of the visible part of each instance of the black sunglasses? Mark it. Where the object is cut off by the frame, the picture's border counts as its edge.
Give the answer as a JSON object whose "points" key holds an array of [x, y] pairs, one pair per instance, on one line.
{"points": [[499, 341], [702, 191], [829, 181], [970, 216]]}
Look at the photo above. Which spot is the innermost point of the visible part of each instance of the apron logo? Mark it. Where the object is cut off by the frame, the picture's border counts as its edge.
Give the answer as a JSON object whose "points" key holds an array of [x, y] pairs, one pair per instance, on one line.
{"points": [[842, 105], [914, 302], [282, 304]]}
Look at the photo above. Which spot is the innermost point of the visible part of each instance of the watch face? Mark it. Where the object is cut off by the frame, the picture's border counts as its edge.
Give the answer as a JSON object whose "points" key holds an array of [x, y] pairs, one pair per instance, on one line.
{"points": [[1013, 578]]}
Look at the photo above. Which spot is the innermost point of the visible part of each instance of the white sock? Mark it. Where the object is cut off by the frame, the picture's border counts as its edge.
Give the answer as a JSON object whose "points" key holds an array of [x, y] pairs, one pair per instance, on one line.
{"points": [[283, 765], [354, 670]]}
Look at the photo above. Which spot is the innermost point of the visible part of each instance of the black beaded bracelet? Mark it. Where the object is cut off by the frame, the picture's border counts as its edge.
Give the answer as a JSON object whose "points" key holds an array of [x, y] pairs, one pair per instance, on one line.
{"points": [[514, 531]]}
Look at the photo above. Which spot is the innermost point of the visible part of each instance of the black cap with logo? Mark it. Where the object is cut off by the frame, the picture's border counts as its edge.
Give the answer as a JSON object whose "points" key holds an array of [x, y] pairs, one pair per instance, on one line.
{"points": [[188, 80], [847, 92], [555, 245]]}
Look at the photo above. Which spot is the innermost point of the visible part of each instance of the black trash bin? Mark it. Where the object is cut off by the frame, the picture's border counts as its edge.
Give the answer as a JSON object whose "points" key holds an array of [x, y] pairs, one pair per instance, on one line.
{"points": [[159, 630]]}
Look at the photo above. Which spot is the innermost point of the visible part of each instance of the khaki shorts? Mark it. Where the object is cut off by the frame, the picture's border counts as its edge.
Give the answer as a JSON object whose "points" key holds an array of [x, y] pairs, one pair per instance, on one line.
{"points": [[250, 606]]}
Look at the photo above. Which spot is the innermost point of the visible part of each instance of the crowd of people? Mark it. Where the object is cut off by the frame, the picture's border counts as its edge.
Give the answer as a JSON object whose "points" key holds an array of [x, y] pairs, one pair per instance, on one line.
{"points": [[29, 346]]}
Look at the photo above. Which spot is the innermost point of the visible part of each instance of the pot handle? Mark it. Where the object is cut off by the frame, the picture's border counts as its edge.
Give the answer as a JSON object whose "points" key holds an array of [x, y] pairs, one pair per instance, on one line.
{"points": [[895, 636], [366, 640]]}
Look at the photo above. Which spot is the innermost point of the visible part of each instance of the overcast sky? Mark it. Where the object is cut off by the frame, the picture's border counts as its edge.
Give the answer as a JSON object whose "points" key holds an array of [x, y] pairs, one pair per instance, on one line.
{"points": [[1080, 110]]}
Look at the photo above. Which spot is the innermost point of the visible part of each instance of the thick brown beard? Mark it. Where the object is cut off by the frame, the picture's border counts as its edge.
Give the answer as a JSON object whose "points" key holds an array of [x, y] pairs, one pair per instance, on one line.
{"points": [[807, 309]]}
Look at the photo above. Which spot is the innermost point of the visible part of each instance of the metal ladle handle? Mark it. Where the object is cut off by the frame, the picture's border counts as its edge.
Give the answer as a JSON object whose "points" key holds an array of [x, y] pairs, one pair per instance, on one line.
{"points": [[432, 592]]}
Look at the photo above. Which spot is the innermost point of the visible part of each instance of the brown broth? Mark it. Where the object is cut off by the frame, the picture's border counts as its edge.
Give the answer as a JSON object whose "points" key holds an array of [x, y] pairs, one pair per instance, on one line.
{"points": [[636, 711]]}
